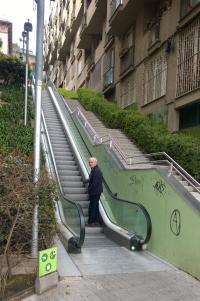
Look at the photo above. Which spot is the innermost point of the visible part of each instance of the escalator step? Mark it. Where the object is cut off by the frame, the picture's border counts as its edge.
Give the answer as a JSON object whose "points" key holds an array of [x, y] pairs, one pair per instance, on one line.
{"points": [[67, 168], [62, 163], [69, 172], [72, 184], [74, 190], [77, 197], [70, 178]]}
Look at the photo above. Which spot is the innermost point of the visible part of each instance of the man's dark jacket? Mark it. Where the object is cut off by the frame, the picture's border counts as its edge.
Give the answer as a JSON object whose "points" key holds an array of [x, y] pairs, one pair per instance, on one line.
{"points": [[95, 186]]}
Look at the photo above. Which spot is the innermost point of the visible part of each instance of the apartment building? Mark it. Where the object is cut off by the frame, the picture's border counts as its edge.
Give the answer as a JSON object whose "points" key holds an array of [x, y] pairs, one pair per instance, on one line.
{"points": [[5, 36], [145, 52]]}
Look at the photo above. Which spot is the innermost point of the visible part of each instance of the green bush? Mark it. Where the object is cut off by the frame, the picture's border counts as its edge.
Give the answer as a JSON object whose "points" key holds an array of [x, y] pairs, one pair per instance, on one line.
{"points": [[13, 134], [12, 70], [68, 94], [151, 135]]}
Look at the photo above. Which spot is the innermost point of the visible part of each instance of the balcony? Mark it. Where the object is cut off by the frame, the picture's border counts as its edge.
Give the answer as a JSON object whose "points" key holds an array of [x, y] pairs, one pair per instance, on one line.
{"points": [[85, 40], [126, 61], [122, 15], [64, 46], [96, 13], [76, 20], [91, 25]]}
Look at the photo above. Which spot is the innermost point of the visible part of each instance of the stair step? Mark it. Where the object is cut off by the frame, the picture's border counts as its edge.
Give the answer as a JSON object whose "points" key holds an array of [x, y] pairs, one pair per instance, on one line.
{"points": [[74, 190], [189, 188], [77, 197], [179, 178], [67, 168], [196, 195], [184, 183], [64, 163], [72, 184], [61, 156], [69, 172], [70, 178]]}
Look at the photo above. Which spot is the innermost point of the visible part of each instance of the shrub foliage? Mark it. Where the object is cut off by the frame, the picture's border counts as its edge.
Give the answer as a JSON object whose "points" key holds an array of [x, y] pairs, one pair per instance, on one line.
{"points": [[12, 70], [147, 133]]}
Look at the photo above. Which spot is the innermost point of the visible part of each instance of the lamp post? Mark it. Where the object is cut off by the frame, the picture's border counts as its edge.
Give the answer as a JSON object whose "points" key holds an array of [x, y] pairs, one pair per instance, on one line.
{"points": [[37, 130], [27, 29], [23, 39]]}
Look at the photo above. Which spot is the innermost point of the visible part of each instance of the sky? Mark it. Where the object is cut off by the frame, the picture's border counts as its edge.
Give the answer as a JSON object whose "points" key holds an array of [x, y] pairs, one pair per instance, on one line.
{"points": [[18, 12]]}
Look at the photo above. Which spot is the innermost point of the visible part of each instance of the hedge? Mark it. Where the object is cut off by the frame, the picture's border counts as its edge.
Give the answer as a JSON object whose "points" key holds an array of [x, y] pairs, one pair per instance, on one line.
{"points": [[13, 134], [68, 94], [147, 133]]}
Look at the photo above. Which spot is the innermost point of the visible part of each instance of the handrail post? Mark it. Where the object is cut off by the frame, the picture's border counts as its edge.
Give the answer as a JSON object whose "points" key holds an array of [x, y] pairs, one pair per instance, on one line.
{"points": [[171, 168]]}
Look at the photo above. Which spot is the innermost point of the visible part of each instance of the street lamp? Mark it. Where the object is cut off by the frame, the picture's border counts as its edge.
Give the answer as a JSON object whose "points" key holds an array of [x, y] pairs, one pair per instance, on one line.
{"points": [[23, 39], [37, 130], [27, 28]]}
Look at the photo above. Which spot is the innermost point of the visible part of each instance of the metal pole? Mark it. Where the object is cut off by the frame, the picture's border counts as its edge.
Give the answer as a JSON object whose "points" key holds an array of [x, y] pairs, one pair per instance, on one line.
{"points": [[26, 81], [23, 45], [37, 133]]}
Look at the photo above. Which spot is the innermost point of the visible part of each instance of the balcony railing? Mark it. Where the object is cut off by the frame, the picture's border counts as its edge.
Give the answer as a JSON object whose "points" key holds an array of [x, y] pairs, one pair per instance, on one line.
{"points": [[114, 6], [127, 60]]}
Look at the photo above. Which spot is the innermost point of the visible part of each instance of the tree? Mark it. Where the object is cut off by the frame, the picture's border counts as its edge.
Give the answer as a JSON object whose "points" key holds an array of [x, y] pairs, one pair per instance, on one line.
{"points": [[12, 70]]}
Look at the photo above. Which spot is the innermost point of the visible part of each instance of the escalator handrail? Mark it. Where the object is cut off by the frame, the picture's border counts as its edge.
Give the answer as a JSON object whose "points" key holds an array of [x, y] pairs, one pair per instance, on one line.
{"points": [[143, 209], [78, 207]]}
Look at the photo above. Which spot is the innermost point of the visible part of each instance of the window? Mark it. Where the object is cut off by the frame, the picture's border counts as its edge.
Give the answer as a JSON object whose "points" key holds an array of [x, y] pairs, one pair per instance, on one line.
{"points": [[127, 91], [127, 52], [187, 6], [190, 116], [108, 69], [155, 77], [188, 69]]}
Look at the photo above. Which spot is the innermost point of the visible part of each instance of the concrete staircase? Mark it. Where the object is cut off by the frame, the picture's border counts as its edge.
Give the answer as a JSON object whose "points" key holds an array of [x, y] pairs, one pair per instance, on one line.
{"points": [[129, 148]]}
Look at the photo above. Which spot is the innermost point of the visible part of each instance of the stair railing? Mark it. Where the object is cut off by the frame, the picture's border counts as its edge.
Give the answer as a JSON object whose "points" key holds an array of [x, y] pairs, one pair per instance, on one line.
{"points": [[131, 160]]}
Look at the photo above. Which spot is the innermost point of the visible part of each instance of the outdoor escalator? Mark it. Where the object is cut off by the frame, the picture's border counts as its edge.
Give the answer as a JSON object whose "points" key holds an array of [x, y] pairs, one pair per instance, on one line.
{"points": [[125, 222]]}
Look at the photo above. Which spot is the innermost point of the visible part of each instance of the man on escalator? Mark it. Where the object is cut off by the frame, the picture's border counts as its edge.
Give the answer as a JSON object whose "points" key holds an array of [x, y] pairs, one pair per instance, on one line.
{"points": [[95, 188]]}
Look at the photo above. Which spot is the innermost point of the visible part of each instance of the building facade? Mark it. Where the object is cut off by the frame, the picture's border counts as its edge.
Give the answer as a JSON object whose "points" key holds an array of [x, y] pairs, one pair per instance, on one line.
{"points": [[6, 37], [20, 53], [133, 51]]}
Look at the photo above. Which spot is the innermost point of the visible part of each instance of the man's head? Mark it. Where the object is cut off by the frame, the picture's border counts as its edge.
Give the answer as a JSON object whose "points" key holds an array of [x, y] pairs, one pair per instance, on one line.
{"points": [[92, 162]]}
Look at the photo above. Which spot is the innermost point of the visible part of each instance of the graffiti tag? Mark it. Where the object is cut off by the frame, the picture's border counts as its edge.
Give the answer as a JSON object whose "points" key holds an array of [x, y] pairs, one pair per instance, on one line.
{"points": [[175, 222], [159, 187], [137, 181]]}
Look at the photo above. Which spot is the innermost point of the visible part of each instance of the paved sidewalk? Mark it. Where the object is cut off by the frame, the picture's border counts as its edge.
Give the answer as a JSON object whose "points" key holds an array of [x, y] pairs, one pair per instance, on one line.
{"points": [[151, 286]]}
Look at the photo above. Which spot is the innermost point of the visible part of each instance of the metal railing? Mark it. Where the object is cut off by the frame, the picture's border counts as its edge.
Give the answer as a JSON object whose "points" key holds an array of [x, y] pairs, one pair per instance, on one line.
{"points": [[131, 160], [114, 5]]}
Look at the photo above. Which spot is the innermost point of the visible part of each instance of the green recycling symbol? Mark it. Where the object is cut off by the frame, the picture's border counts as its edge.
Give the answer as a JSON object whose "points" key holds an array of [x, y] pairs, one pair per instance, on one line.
{"points": [[48, 267], [44, 257], [53, 254]]}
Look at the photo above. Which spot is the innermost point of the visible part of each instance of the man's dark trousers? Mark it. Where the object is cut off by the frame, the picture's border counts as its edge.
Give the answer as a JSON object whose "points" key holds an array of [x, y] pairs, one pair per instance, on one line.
{"points": [[94, 209]]}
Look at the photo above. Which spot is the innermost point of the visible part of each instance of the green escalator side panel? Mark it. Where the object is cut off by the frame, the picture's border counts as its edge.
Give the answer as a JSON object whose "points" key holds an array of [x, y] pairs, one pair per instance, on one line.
{"points": [[175, 223]]}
